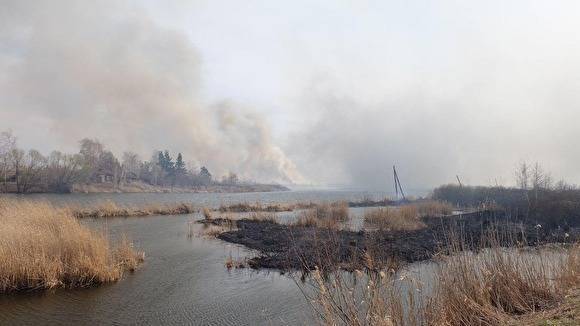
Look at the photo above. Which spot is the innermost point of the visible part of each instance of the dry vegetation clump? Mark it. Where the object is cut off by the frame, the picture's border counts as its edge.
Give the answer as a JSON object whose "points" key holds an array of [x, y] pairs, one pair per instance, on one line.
{"points": [[246, 208], [263, 217], [43, 247], [112, 209], [212, 227], [394, 219], [497, 286], [433, 208], [488, 288], [206, 213], [364, 297], [306, 220], [236, 263], [325, 215]]}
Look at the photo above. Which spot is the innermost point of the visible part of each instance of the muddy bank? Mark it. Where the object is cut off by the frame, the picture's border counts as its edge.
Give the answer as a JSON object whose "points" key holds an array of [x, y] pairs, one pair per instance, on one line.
{"points": [[287, 247]]}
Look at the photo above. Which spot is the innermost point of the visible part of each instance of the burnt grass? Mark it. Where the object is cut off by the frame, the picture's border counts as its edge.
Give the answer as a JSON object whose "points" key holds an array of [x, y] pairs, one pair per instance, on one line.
{"points": [[288, 247]]}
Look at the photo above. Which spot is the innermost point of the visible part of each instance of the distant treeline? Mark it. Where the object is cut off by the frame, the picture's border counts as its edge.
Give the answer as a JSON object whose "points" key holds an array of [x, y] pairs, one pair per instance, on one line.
{"points": [[536, 198], [30, 171]]}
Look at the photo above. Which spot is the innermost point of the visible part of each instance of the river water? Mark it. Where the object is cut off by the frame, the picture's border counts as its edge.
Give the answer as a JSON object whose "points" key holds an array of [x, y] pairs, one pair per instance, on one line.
{"points": [[183, 279]]}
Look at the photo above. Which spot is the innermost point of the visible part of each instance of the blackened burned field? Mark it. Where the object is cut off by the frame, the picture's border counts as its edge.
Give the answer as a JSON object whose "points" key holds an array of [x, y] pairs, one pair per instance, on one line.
{"points": [[290, 247]]}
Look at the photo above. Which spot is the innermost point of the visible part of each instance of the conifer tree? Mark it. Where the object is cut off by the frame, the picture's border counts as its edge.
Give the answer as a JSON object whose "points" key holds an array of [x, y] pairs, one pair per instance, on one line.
{"points": [[168, 162], [179, 165]]}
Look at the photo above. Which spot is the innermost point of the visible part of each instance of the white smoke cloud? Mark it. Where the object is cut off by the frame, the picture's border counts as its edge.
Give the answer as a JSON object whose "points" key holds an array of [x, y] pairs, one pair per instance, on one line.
{"points": [[106, 70]]}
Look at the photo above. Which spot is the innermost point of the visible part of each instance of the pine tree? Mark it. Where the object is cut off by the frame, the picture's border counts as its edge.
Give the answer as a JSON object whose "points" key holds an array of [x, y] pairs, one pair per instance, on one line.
{"points": [[179, 165], [168, 162], [161, 160]]}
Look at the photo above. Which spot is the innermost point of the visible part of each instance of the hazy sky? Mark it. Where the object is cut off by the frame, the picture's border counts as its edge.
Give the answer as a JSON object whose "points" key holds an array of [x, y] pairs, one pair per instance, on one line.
{"points": [[309, 91]]}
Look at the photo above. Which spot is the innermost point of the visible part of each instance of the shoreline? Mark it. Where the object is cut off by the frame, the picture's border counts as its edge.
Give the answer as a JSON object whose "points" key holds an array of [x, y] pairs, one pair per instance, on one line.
{"points": [[138, 187]]}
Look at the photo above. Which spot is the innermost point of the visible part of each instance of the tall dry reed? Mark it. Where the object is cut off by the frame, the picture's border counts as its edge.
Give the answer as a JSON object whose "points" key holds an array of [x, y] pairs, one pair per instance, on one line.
{"points": [[324, 215], [43, 247], [393, 219], [112, 209], [493, 287]]}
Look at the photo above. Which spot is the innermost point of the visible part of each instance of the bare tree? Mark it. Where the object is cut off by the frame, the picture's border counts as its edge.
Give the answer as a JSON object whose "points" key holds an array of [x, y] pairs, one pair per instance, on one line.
{"points": [[7, 145], [537, 176], [16, 159], [523, 176], [33, 164], [231, 179], [130, 165], [63, 171], [91, 151]]}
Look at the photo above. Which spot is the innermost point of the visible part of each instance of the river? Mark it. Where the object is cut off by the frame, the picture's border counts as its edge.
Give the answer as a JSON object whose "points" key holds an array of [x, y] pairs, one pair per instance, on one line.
{"points": [[183, 279]]}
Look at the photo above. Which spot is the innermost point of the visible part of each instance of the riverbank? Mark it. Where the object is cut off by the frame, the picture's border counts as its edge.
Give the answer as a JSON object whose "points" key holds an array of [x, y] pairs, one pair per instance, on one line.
{"points": [[140, 187]]}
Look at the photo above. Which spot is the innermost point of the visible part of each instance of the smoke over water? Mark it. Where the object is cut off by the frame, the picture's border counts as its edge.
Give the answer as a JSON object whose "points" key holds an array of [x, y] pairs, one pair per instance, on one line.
{"points": [[106, 70], [351, 88]]}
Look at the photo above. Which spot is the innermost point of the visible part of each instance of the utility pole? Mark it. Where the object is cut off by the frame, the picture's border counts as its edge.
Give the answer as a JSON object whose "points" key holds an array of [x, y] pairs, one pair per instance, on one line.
{"points": [[457, 176], [398, 184]]}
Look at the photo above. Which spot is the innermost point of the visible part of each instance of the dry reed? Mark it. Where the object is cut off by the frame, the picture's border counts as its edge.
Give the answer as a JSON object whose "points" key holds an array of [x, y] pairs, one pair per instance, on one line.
{"points": [[495, 287], [394, 219], [433, 208], [112, 209], [43, 247], [325, 215], [257, 207]]}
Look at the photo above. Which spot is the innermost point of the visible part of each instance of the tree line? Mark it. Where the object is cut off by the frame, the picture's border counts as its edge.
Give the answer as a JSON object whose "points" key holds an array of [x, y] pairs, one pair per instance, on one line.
{"points": [[30, 171]]}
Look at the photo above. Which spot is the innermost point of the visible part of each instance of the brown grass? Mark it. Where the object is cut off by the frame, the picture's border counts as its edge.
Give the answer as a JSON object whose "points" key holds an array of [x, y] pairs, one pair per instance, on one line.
{"points": [[257, 207], [263, 217], [394, 219], [236, 263], [325, 215], [206, 213], [495, 287], [112, 209], [433, 208], [43, 247], [488, 288]]}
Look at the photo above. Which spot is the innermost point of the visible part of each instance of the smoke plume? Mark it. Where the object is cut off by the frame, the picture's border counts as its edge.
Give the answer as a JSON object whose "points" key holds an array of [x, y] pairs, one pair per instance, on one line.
{"points": [[106, 70]]}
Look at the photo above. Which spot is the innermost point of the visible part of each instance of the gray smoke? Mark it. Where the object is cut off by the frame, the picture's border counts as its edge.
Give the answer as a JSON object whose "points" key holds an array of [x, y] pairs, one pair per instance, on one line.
{"points": [[106, 70]]}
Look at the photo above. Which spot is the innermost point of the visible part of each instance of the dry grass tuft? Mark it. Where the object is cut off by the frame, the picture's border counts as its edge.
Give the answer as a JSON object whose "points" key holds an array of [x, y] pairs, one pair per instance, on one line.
{"points": [[488, 288], [433, 208], [112, 209], [206, 213], [497, 286], [394, 219], [43, 247], [326, 215], [263, 217], [257, 207], [235, 263]]}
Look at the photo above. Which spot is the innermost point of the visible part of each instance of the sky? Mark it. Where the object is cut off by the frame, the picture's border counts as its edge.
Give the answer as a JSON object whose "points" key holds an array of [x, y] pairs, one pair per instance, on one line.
{"points": [[309, 92]]}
